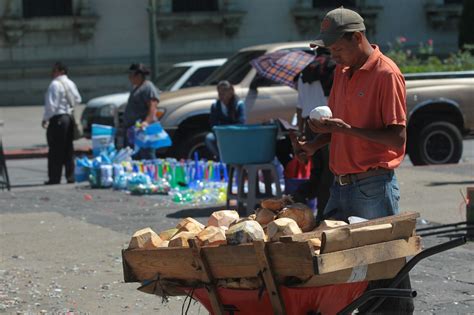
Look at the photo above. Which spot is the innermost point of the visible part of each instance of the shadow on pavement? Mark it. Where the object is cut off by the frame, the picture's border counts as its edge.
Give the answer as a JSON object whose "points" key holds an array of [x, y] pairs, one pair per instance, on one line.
{"points": [[465, 182], [26, 185], [195, 212]]}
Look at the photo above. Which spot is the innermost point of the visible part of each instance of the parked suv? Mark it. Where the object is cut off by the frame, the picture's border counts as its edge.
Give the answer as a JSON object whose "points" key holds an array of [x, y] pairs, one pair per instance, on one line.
{"points": [[100, 110], [439, 107]]}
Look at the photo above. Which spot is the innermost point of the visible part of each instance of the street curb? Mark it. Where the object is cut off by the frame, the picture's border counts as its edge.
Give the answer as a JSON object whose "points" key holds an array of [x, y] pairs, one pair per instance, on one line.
{"points": [[33, 153]]}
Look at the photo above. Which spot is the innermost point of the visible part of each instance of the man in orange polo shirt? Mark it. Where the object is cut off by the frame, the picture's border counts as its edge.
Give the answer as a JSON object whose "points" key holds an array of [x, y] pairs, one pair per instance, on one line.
{"points": [[367, 132]]}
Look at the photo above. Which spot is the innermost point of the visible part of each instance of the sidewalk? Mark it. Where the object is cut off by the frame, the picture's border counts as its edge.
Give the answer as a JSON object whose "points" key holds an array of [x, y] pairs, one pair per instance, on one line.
{"points": [[41, 152], [23, 136]]}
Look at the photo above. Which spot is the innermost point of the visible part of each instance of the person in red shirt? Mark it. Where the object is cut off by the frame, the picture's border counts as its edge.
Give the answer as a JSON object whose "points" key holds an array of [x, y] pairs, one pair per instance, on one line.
{"points": [[367, 130]]}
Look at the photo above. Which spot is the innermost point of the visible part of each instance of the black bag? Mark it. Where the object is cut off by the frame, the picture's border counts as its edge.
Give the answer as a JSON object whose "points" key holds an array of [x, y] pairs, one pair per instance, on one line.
{"points": [[77, 130]]}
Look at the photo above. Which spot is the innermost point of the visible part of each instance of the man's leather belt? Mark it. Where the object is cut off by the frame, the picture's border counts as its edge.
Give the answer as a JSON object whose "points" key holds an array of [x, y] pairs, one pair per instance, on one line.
{"points": [[352, 178]]}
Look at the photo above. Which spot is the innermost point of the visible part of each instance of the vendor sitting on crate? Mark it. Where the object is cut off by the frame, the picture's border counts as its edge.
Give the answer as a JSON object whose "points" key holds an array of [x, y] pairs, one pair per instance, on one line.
{"points": [[367, 130], [228, 109]]}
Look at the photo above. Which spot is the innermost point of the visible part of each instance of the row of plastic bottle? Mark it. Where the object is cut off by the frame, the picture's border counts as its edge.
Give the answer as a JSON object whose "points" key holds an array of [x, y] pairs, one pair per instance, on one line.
{"points": [[196, 181]]}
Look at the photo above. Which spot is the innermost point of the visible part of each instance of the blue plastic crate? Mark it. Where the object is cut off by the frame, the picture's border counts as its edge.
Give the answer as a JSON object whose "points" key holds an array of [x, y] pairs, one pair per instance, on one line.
{"points": [[246, 144]]}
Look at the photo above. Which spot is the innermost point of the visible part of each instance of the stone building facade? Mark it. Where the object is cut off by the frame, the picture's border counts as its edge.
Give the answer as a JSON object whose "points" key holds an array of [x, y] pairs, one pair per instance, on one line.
{"points": [[98, 39]]}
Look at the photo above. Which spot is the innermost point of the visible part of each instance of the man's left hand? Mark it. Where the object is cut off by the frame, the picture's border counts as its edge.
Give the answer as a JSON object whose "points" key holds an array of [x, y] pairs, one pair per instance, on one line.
{"points": [[328, 125], [335, 122]]}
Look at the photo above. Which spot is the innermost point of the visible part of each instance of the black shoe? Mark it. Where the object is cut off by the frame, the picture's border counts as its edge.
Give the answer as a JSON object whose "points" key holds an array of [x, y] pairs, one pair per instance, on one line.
{"points": [[48, 182], [71, 181]]}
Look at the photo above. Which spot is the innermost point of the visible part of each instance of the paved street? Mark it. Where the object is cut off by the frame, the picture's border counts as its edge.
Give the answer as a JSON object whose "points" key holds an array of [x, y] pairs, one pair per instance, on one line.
{"points": [[60, 245]]}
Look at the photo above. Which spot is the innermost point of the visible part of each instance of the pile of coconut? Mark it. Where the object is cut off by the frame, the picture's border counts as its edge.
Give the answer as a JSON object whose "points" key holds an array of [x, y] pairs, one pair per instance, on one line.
{"points": [[276, 218]]}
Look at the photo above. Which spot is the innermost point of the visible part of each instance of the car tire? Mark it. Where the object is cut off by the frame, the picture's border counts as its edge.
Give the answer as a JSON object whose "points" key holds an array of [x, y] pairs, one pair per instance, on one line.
{"points": [[439, 142], [191, 143]]}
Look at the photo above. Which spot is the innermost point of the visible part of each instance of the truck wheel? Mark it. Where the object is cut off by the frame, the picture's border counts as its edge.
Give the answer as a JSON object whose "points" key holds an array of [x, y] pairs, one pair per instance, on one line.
{"points": [[193, 142], [439, 142]]}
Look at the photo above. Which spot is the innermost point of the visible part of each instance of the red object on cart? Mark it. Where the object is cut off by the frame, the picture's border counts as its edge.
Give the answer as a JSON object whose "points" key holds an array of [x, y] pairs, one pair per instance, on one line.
{"points": [[327, 299]]}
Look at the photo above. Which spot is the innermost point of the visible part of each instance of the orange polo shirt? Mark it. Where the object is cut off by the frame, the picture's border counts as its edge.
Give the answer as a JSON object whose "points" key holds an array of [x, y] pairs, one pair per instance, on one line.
{"points": [[373, 98]]}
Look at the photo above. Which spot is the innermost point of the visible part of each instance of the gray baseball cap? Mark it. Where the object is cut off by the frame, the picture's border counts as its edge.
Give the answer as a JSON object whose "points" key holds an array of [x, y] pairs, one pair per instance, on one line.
{"points": [[335, 24]]}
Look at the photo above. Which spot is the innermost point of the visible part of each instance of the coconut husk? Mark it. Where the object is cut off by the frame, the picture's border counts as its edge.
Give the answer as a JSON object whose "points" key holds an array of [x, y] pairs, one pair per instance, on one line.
{"points": [[244, 232], [302, 214], [242, 283], [231, 283], [190, 225], [264, 216], [223, 218], [181, 239], [250, 283], [145, 238], [249, 218], [281, 227], [212, 235], [168, 234], [316, 243], [164, 244], [276, 204]]}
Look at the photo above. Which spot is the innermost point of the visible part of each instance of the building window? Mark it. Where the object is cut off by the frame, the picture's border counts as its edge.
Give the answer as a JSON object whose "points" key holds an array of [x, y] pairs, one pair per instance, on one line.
{"points": [[195, 5], [334, 4], [453, 1], [35, 8]]}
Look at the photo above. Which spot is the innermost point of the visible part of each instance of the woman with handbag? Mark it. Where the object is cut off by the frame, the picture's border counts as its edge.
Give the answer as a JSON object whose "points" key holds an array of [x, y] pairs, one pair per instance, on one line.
{"points": [[60, 98]]}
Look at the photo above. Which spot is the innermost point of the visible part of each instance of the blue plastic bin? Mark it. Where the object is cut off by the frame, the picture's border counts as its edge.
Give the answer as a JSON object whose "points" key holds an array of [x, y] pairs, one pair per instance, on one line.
{"points": [[246, 144], [102, 138]]}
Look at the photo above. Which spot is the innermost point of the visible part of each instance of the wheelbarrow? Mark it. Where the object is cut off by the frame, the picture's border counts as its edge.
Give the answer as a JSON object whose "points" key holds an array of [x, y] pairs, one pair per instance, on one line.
{"points": [[331, 299]]}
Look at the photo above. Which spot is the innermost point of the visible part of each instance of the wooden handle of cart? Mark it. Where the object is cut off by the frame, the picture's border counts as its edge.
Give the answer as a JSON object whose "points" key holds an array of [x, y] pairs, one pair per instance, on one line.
{"points": [[208, 278], [317, 234], [266, 269]]}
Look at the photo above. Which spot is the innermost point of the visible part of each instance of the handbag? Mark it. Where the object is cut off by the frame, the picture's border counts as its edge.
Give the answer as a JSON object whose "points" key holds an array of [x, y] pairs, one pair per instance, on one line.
{"points": [[152, 136], [77, 129]]}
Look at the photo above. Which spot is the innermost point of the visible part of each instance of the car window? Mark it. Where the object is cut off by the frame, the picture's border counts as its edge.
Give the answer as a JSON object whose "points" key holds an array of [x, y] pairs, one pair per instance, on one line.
{"points": [[235, 69], [199, 76], [169, 77]]}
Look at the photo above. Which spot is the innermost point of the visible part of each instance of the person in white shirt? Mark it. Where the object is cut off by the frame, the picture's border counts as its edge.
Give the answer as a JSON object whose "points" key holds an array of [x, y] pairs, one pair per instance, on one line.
{"points": [[314, 85], [310, 95], [60, 98]]}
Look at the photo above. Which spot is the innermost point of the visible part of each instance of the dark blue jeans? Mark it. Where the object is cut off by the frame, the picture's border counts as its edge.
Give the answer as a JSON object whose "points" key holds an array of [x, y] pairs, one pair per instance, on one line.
{"points": [[368, 198], [371, 198]]}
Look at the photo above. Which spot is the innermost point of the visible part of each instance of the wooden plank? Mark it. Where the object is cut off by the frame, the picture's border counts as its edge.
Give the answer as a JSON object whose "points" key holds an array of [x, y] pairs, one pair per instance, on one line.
{"points": [[345, 238], [240, 261], [405, 216], [171, 263], [368, 254], [201, 259], [224, 261], [266, 269], [378, 271]]}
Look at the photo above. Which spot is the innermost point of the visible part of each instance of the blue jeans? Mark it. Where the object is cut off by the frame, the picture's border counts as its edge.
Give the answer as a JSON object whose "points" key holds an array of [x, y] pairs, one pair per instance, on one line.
{"points": [[368, 198]]}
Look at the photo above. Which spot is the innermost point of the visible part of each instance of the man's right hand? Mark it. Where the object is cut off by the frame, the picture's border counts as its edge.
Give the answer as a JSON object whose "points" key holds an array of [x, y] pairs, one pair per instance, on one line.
{"points": [[44, 124], [308, 148]]}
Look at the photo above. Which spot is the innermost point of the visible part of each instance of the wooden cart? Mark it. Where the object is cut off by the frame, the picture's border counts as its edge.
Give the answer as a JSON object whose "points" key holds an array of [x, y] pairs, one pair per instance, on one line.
{"points": [[356, 253]]}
